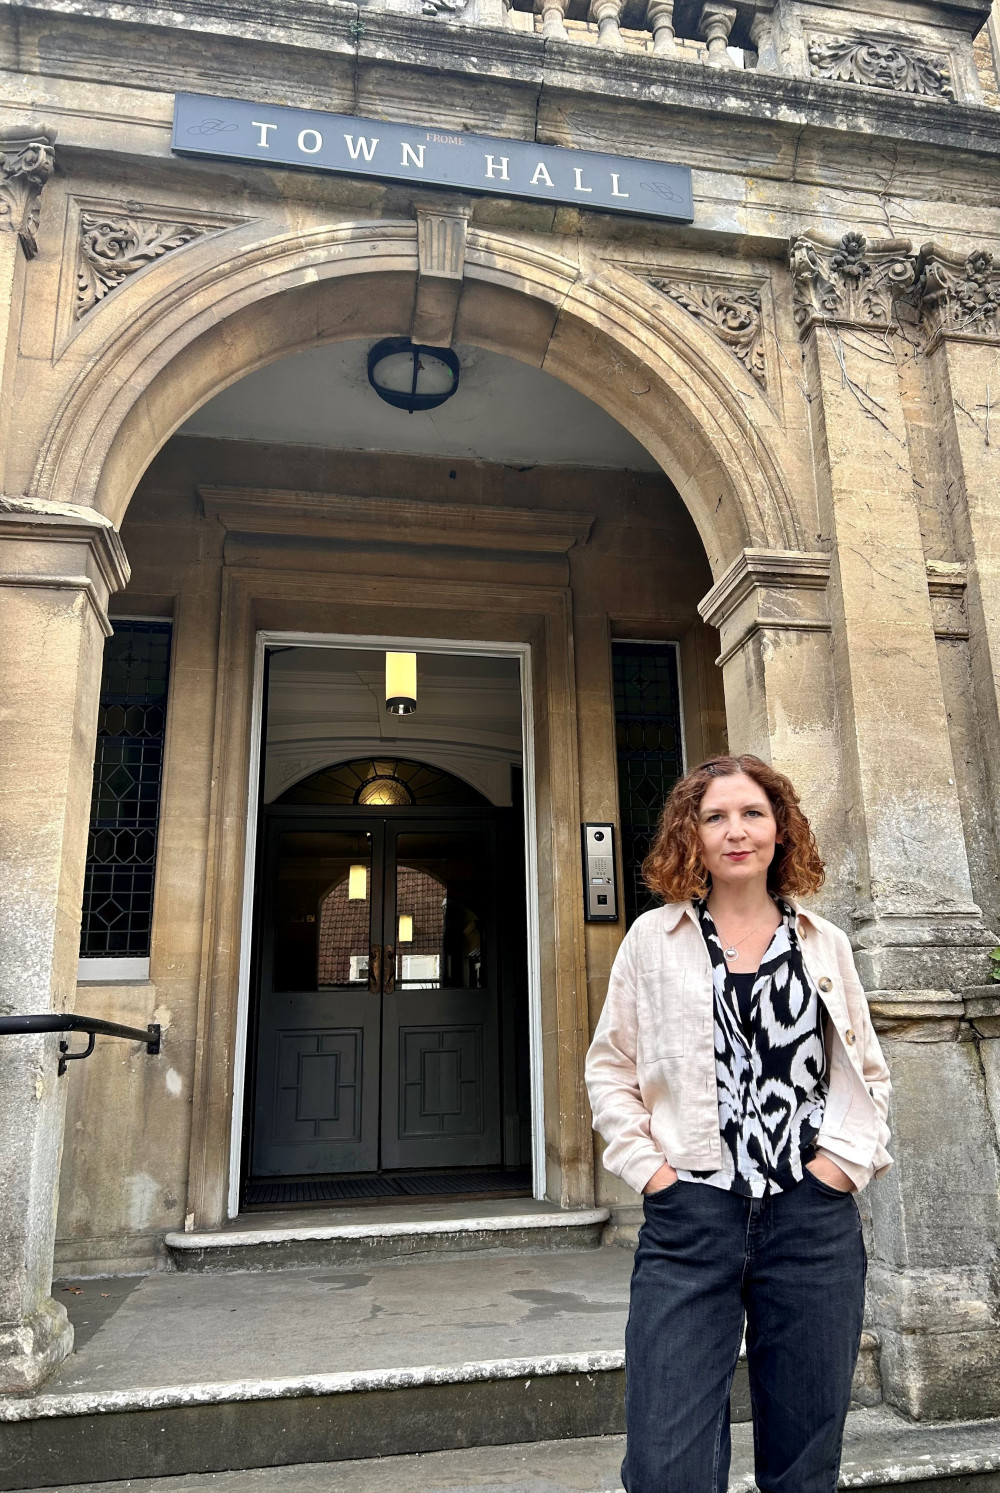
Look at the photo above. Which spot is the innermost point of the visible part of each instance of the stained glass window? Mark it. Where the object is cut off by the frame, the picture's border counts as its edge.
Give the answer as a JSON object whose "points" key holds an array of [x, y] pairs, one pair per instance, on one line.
{"points": [[124, 813], [650, 753], [382, 782]]}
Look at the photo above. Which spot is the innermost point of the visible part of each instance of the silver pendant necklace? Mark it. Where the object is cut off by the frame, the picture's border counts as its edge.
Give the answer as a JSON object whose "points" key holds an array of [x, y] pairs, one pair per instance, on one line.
{"points": [[733, 950]]}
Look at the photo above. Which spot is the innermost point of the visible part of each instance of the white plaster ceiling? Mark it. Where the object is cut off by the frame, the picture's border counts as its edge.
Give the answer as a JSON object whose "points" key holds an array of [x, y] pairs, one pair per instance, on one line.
{"points": [[504, 411], [327, 705]]}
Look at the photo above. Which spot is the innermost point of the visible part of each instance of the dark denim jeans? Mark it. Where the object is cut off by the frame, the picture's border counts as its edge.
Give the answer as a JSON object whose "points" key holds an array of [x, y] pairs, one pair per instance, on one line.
{"points": [[795, 1265]]}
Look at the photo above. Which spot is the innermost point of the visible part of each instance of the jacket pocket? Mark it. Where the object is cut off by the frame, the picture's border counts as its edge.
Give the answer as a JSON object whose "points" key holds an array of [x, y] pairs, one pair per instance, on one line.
{"points": [[660, 1007]]}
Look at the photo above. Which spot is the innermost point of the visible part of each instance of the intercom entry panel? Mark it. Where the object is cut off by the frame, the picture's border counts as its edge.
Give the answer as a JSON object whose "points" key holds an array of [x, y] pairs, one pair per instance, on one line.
{"points": [[600, 881]]}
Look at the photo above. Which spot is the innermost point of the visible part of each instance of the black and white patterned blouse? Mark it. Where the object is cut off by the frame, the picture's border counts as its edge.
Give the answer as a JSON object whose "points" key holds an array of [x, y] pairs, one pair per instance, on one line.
{"points": [[770, 1069]]}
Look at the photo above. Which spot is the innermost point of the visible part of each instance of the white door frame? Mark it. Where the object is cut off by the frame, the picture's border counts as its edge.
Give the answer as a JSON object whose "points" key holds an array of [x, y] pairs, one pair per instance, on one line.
{"points": [[268, 637]]}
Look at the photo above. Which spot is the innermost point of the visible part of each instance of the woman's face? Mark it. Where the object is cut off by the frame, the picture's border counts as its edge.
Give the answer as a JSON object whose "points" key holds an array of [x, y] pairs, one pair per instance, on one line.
{"points": [[737, 829]]}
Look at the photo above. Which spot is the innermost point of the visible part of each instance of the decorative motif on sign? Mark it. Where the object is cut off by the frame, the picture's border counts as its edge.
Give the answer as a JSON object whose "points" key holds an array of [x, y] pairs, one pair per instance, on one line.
{"points": [[849, 280], [112, 248], [959, 295], [880, 64], [732, 314], [26, 163]]}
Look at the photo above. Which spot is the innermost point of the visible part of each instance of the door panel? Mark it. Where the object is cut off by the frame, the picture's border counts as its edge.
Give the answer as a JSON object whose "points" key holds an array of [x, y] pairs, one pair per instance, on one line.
{"points": [[378, 1018], [319, 1031], [440, 1047]]}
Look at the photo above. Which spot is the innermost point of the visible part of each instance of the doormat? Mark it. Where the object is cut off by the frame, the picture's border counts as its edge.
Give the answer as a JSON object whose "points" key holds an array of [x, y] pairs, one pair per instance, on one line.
{"points": [[386, 1187]]}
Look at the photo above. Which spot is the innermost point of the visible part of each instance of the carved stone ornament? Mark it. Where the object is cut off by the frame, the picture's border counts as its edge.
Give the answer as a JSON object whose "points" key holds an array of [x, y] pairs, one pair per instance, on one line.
{"points": [[959, 295], [731, 313], [443, 7], [26, 163], [880, 64], [851, 280], [113, 247]]}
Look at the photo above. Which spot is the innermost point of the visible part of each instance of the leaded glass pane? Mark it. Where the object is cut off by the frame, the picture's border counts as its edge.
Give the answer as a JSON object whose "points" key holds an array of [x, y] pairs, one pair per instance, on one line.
{"points": [[124, 813], [648, 742]]}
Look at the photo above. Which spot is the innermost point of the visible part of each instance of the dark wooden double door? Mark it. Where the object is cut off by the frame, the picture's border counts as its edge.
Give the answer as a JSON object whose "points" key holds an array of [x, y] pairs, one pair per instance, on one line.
{"points": [[378, 1021]]}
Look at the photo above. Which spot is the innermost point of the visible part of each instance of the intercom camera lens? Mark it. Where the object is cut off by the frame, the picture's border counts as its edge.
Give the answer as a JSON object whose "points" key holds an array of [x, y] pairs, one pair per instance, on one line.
{"points": [[598, 834]]}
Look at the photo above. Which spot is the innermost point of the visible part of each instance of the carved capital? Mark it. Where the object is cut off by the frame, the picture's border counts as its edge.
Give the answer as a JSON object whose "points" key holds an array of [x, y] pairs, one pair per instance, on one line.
{"points": [[731, 313], [872, 63], [114, 245], [61, 547], [767, 592], [26, 163], [959, 296], [849, 281]]}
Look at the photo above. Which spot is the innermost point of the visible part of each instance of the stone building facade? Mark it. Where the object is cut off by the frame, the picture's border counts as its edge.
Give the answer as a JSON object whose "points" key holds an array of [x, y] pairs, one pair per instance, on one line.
{"points": [[812, 367]]}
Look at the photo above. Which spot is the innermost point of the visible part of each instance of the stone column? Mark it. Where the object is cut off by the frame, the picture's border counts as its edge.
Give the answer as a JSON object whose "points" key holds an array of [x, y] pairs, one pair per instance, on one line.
{"points": [[57, 568], [919, 937]]}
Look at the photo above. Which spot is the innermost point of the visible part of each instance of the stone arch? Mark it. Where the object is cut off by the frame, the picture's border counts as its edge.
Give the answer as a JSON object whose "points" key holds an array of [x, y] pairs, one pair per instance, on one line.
{"points": [[166, 343]]}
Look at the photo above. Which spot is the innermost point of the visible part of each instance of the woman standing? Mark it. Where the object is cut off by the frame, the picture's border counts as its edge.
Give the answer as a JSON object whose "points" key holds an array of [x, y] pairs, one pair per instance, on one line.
{"points": [[739, 1085]]}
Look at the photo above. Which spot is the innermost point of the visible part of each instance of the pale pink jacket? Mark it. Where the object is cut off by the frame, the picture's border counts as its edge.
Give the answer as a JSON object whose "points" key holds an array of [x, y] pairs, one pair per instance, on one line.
{"points": [[651, 1065]]}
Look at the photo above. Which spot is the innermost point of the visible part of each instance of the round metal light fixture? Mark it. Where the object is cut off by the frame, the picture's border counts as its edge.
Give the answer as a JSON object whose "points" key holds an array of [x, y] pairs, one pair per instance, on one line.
{"points": [[410, 376]]}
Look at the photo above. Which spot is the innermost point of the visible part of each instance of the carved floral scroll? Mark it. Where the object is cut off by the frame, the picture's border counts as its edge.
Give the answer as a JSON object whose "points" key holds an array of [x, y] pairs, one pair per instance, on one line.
{"points": [[731, 313], [112, 247]]}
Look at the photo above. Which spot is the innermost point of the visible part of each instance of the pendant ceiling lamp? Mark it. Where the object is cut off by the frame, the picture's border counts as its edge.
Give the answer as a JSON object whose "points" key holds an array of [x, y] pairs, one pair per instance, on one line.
{"points": [[410, 376], [401, 683], [357, 884], [405, 928]]}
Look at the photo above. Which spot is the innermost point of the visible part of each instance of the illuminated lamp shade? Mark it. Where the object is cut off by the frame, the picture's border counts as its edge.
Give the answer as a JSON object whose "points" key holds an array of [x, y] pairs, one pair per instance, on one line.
{"points": [[357, 884], [405, 928], [401, 683]]}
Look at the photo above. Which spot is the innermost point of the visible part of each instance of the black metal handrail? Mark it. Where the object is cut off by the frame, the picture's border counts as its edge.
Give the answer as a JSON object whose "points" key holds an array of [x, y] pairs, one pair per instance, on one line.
{"points": [[54, 1021]]}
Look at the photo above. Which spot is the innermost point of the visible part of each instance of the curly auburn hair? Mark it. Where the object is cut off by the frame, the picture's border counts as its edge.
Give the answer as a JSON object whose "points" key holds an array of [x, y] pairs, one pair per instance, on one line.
{"points": [[674, 868]]}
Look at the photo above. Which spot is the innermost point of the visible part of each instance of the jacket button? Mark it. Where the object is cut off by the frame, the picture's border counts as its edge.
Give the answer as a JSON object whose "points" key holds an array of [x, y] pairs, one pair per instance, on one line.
{"points": [[825, 984], [849, 1037]]}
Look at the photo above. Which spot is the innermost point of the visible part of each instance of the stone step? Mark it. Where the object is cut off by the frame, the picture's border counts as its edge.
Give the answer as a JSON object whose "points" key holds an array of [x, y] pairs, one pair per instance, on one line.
{"points": [[881, 1450], [193, 1373], [306, 1238]]}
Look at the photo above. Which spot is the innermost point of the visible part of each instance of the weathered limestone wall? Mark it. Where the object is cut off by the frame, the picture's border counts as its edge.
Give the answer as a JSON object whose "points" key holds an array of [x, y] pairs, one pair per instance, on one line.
{"points": [[827, 431]]}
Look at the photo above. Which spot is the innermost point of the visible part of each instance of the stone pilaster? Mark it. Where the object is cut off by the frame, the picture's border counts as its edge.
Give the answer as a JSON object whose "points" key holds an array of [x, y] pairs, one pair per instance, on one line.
{"points": [[58, 566], [919, 937], [770, 608], [916, 924], [26, 163], [960, 310]]}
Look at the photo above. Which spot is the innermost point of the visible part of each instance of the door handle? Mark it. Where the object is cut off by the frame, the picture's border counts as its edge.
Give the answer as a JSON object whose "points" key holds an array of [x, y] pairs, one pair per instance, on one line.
{"points": [[390, 969], [375, 968]]}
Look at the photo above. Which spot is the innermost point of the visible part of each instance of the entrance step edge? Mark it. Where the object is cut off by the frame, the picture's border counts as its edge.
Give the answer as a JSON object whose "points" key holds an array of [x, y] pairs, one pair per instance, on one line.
{"points": [[91, 1437], [303, 1245]]}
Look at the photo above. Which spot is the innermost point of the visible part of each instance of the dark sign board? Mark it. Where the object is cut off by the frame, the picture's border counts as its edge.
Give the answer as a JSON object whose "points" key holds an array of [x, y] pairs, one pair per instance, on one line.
{"points": [[276, 135]]}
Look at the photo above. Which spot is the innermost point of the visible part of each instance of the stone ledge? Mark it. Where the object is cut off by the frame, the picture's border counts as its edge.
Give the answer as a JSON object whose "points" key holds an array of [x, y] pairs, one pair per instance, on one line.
{"points": [[222, 1238], [385, 40]]}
